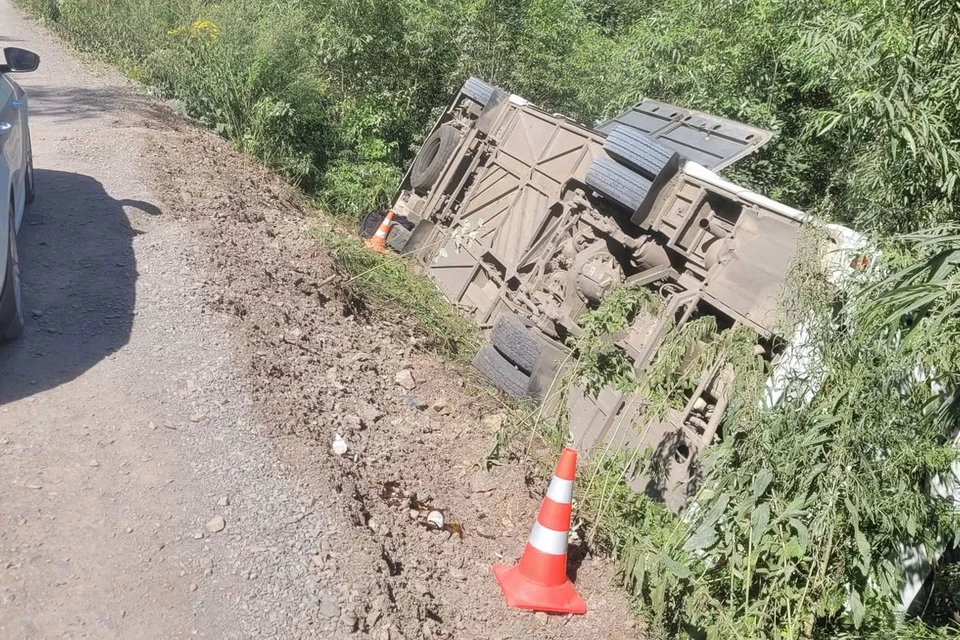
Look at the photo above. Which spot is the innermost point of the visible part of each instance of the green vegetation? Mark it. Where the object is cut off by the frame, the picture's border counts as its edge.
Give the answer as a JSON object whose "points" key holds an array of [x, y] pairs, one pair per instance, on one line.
{"points": [[386, 282], [337, 94], [796, 528], [597, 364], [804, 503]]}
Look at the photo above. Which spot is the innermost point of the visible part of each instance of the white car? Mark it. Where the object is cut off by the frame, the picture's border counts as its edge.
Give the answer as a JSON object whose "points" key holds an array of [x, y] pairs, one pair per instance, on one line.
{"points": [[16, 184]]}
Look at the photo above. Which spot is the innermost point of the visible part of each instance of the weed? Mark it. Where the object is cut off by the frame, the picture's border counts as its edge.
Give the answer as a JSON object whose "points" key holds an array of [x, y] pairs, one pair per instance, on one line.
{"points": [[498, 451], [520, 417], [598, 363], [388, 282]]}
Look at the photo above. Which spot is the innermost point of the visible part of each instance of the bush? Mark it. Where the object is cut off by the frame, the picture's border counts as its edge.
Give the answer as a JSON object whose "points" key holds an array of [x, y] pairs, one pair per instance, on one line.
{"points": [[353, 189]]}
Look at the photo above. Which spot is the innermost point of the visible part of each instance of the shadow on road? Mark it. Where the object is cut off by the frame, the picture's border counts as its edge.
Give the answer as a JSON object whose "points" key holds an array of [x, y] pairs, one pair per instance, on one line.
{"points": [[73, 104], [79, 276]]}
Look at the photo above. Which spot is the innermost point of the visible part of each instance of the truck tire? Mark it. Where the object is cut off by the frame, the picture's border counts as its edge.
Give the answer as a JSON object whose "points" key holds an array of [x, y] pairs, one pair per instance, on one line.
{"points": [[618, 183], [477, 90], [11, 303], [516, 342], [433, 157], [500, 372], [640, 152]]}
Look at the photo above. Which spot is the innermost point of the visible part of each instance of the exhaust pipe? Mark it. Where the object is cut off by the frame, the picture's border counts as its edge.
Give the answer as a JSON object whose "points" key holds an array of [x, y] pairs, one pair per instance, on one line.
{"points": [[713, 228]]}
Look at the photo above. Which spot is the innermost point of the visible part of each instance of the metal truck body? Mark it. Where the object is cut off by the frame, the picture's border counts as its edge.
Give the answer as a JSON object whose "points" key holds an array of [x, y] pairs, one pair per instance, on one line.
{"points": [[527, 220]]}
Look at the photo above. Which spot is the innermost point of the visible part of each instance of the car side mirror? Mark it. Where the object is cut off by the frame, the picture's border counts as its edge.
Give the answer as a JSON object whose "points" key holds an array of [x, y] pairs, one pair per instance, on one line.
{"points": [[19, 60]]}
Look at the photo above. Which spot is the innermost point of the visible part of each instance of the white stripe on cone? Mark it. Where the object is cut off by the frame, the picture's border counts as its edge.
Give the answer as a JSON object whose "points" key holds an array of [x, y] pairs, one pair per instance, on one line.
{"points": [[548, 540], [560, 490]]}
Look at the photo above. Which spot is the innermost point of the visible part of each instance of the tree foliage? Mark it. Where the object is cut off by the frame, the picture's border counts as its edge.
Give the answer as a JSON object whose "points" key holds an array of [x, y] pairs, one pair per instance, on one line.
{"points": [[862, 95]]}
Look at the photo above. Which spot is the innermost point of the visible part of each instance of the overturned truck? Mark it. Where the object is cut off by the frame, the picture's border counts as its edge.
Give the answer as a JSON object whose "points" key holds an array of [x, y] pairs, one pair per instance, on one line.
{"points": [[526, 220]]}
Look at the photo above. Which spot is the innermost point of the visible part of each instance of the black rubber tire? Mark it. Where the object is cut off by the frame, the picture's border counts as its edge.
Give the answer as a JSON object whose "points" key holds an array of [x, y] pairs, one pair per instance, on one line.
{"points": [[618, 183], [516, 342], [501, 373], [640, 152], [436, 150], [11, 303], [477, 90], [29, 184]]}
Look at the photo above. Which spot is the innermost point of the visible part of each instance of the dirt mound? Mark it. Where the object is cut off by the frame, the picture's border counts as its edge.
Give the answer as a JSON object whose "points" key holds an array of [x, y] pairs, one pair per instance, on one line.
{"points": [[317, 368]]}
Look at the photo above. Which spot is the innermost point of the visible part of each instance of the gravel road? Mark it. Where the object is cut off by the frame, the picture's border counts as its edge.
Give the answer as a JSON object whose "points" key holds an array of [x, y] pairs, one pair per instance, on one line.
{"points": [[165, 469], [123, 428]]}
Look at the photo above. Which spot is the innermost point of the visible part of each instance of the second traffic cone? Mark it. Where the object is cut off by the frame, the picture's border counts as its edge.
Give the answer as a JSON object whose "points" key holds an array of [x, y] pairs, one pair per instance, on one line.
{"points": [[379, 240], [539, 581]]}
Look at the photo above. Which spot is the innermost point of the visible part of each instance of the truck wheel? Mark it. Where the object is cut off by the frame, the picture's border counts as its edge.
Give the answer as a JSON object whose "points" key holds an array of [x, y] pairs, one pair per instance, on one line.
{"points": [[433, 157], [501, 373], [516, 342], [30, 187], [618, 183], [477, 90], [640, 152], [11, 306]]}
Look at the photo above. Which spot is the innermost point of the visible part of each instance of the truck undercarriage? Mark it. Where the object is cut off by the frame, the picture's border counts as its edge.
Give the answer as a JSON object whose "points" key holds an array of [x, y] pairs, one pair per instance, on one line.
{"points": [[527, 220]]}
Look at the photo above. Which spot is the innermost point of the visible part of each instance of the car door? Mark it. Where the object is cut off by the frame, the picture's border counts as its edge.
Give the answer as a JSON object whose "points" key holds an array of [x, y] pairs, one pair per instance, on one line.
{"points": [[11, 135], [7, 163]]}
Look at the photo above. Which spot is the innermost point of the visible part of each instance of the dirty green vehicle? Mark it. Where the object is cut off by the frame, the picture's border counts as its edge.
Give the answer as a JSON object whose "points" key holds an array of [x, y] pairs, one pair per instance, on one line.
{"points": [[526, 220]]}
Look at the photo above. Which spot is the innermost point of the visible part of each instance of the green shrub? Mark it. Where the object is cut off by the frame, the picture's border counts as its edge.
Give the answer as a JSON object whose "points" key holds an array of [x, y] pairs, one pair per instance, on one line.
{"points": [[863, 96], [353, 189]]}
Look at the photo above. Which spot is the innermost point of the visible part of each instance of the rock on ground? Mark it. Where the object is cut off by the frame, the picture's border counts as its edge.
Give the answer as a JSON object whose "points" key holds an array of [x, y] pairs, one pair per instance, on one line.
{"points": [[404, 378]]}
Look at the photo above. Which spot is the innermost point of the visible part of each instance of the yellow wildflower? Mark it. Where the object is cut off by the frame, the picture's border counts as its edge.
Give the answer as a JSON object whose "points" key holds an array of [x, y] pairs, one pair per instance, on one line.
{"points": [[205, 30]]}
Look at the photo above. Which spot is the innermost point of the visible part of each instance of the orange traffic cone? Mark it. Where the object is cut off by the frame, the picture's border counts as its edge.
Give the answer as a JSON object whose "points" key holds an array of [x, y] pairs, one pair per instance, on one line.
{"points": [[379, 240], [539, 581]]}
